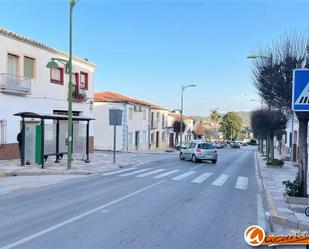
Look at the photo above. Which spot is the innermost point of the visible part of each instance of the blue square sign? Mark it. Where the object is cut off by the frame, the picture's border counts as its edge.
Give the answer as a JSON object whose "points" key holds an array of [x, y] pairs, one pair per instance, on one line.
{"points": [[300, 94]]}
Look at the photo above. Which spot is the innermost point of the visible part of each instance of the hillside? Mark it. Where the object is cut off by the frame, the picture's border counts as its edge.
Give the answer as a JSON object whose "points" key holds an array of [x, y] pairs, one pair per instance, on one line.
{"points": [[244, 115]]}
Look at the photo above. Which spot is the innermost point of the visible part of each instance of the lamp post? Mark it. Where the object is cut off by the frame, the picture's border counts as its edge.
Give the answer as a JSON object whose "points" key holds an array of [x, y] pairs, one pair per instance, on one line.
{"points": [[181, 109], [68, 67]]}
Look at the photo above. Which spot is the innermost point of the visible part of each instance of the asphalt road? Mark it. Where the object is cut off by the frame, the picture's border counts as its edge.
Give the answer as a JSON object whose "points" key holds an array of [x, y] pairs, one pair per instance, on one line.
{"points": [[170, 204]]}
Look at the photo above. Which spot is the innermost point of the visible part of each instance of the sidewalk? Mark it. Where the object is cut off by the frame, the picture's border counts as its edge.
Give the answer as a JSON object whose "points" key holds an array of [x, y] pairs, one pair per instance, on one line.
{"points": [[99, 161], [283, 216]]}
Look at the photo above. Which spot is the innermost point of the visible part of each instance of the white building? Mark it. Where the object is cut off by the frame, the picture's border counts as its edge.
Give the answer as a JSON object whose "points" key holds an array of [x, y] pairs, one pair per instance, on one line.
{"points": [[134, 132], [290, 139], [159, 137], [188, 133], [26, 85]]}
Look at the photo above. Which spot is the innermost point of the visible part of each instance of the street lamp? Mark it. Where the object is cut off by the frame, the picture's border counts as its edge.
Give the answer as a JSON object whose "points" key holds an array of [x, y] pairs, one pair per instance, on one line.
{"points": [[181, 109], [68, 64]]}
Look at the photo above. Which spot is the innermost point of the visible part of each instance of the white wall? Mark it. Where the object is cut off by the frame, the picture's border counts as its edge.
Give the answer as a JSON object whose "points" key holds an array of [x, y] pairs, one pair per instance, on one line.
{"points": [[103, 132], [45, 96], [41, 85]]}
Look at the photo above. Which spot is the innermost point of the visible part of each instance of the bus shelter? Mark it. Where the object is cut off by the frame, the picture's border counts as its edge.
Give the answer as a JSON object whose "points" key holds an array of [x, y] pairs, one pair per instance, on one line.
{"points": [[45, 135]]}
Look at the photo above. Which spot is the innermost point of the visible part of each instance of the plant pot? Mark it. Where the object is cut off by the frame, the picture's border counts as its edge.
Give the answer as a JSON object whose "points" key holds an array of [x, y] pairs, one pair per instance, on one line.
{"points": [[297, 200]]}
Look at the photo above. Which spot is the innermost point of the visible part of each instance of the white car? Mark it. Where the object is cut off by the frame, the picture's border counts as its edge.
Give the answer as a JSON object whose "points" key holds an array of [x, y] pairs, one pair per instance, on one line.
{"points": [[199, 150]]}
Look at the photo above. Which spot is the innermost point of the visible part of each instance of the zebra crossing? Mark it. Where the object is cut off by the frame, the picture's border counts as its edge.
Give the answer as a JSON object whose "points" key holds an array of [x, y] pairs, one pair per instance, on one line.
{"points": [[181, 175]]}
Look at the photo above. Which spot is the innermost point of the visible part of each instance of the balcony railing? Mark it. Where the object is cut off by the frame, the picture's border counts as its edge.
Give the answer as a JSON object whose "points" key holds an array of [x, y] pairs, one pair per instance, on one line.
{"points": [[14, 84], [79, 95]]}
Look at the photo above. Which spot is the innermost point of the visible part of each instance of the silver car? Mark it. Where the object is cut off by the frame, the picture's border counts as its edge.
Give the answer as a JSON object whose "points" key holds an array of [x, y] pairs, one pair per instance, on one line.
{"points": [[197, 151]]}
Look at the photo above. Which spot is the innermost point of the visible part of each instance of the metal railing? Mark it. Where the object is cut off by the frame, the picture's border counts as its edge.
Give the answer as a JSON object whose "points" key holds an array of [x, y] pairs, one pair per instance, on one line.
{"points": [[80, 95], [14, 84]]}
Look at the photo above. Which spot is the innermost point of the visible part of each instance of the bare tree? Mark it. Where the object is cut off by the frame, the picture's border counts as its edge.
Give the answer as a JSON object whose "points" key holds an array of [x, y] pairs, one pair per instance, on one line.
{"points": [[273, 78]]}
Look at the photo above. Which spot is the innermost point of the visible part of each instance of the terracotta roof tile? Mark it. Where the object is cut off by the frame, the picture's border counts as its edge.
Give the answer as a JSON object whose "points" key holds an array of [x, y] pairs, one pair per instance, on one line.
{"points": [[119, 98]]}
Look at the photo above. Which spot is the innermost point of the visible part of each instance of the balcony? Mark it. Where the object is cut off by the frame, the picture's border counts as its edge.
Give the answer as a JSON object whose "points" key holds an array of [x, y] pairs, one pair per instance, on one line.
{"points": [[14, 84], [79, 95]]}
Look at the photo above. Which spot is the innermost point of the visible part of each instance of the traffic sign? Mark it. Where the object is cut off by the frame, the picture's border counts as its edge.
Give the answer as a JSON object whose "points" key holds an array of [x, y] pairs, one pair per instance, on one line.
{"points": [[115, 117], [300, 94]]}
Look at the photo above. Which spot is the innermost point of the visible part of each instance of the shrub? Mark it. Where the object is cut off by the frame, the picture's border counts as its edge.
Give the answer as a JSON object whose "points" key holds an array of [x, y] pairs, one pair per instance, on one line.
{"points": [[276, 162], [292, 187]]}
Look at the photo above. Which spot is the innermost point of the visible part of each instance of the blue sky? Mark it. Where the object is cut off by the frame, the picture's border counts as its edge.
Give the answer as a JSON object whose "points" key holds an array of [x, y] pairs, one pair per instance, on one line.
{"points": [[146, 49]]}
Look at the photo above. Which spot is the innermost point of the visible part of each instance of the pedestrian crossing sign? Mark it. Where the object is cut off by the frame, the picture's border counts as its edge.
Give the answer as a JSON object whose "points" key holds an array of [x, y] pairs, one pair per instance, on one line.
{"points": [[300, 94]]}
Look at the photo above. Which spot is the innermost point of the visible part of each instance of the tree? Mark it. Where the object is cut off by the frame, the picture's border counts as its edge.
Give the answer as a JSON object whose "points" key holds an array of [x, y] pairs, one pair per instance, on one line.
{"points": [[268, 123], [199, 130], [274, 79], [176, 127], [231, 124], [215, 118]]}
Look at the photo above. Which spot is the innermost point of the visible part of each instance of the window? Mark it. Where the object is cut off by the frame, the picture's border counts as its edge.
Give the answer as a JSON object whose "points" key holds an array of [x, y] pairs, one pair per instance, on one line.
{"points": [[56, 75], [12, 64], [144, 114], [83, 80], [152, 138], [2, 131], [130, 138], [158, 116], [163, 136], [28, 67], [163, 121], [130, 113], [75, 83], [144, 137], [206, 146], [192, 145]]}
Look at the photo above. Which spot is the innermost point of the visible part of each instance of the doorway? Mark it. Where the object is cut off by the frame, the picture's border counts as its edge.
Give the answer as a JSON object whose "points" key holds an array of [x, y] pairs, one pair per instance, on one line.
{"points": [[137, 138], [157, 139], [171, 140]]}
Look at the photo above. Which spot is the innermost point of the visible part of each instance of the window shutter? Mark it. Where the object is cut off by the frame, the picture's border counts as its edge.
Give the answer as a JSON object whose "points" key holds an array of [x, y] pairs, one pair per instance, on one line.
{"points": [[28, 67]]}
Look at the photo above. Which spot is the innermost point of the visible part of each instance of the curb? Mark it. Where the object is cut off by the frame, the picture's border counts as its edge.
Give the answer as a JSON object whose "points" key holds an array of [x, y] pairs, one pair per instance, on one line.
{"points": [[275, 218]]}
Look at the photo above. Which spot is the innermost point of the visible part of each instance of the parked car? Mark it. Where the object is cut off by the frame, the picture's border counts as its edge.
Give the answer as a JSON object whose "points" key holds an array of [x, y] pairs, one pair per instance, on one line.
{"points": [[220, 145], [253, 142], [235, 145], [197, 151], [244, 144]]}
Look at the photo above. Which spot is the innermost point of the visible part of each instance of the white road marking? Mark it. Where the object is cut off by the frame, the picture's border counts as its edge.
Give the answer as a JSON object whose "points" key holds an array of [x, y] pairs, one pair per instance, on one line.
{"points": [[118, 171], [199, 165], [166, 174], [202, 177], [150, 173], [136, 172], [78, 217], [183, 176], [242, 182], [220, 180]]}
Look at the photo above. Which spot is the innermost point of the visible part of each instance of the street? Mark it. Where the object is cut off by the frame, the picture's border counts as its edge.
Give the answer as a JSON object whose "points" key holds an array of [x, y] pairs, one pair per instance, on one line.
{"points": [[168, 204]]}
